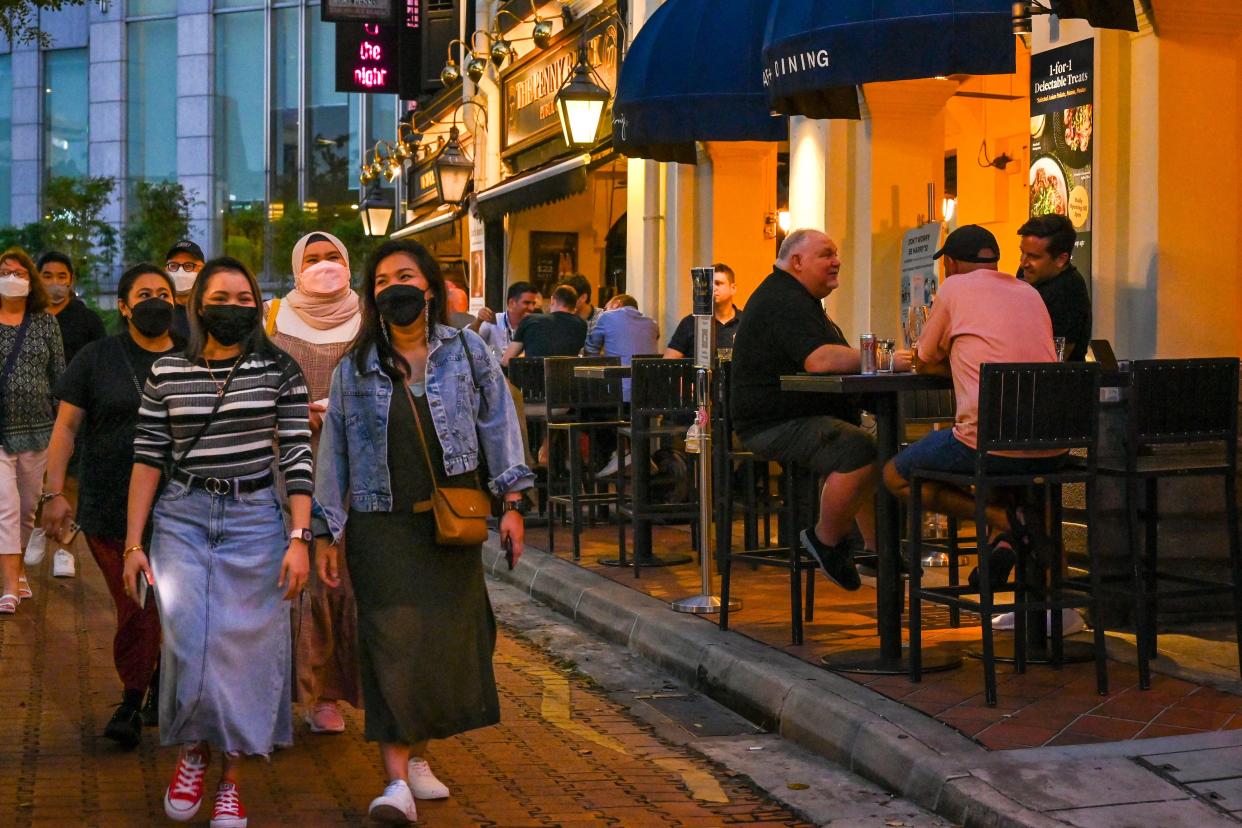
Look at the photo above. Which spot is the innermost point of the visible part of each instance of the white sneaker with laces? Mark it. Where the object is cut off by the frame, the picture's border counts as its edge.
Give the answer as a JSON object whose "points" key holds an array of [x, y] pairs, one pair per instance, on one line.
{"points": [[1071, 621], [423, 782], [395, 806], [63, 564], [36, 547]]}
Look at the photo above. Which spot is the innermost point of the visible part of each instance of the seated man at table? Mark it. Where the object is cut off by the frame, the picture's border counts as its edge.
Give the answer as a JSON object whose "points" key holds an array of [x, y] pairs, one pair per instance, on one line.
{"points": [[559, 333], [727, 316], [981, 315], [785, 331], [1047, 246]]}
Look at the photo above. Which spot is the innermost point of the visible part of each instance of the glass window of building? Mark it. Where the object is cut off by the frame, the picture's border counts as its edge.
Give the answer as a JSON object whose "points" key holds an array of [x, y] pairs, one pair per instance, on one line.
{"points": [[240, 153], [286, 69], [66, 113], [151, 112], [332, 124], [6, 139], [150, 8]]}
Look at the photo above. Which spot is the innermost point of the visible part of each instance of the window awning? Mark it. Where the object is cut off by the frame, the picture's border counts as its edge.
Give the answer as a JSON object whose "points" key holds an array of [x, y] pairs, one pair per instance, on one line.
{"points": [[438, 220], [818, 52], [554, 181], [694, 73], [1103, 14]]}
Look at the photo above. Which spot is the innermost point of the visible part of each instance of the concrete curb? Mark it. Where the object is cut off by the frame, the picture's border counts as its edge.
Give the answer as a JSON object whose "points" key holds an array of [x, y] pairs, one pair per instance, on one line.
{"points": [[890, 744]]}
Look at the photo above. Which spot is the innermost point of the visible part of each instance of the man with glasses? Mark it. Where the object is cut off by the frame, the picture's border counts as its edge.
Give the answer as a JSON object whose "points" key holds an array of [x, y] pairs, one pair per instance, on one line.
{"points": [[183, 262]]}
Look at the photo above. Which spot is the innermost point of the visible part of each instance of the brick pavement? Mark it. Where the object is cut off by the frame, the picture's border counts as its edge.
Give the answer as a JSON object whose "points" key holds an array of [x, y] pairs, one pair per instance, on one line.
{"points": [[564, 755], [1044, 706]]}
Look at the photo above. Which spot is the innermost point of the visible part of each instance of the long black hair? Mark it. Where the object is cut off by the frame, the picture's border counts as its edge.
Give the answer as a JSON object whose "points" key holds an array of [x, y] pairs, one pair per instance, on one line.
{"points": [[373, 333], [126, 284], [256, 342]]}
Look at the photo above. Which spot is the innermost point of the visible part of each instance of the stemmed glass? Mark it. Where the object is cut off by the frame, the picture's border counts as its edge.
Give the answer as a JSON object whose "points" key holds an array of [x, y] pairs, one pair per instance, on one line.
{"points": [[916, 318]]}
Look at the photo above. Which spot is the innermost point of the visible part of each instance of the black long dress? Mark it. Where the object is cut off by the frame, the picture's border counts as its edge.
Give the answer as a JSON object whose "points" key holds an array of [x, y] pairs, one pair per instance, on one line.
{"points": [[426, 632]]}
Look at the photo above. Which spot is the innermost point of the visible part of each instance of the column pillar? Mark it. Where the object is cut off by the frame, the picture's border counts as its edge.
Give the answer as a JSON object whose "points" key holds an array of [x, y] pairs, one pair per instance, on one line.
{"points": [[679, 249], [27, 134], [195, 113], [643, 203], [808, 172], [107, 106]]}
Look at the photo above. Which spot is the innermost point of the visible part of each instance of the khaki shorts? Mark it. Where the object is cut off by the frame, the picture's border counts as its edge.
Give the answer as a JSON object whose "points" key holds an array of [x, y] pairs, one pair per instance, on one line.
{"points": [[822, 444]]}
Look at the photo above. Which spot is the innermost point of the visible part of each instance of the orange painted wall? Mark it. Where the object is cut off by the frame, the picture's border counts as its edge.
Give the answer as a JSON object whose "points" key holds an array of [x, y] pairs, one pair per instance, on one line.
{"points": [[743, 194]]}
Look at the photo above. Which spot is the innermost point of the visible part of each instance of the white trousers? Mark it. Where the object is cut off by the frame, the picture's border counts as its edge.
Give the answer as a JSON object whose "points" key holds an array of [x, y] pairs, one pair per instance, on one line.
{"points": [[21, 482]]}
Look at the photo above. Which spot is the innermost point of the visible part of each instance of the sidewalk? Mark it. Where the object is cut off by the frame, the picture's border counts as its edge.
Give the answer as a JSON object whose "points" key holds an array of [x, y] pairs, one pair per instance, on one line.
{"points": [[563, 755], [885, 730]]}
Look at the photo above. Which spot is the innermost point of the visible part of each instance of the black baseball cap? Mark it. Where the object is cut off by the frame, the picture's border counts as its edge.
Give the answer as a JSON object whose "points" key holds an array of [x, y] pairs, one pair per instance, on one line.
{"points": [[965, 244], [186, 246]]}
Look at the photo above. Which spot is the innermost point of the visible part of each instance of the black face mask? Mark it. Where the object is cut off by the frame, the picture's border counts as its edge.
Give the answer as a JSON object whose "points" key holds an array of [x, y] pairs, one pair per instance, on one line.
{"points": [[152, 317], [229, 324], [400, 305]]}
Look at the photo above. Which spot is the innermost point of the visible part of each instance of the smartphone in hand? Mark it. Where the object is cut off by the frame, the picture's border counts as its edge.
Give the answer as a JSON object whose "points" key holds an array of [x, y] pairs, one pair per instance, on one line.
{"points": [[508, 547], [144, 589]]}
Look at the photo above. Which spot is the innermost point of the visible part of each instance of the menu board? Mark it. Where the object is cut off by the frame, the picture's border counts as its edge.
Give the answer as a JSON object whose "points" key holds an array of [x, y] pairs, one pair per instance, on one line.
{"points": [[1062, 139], [553, 258], [918, 268]]}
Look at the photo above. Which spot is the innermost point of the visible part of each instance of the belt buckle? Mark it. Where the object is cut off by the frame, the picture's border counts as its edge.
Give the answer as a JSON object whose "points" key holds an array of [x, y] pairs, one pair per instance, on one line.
{"points": [[217, 486]]}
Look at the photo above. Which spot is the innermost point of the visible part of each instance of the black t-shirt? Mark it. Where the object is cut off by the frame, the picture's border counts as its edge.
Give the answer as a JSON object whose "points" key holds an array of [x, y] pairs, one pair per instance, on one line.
{"points": [[103, 380], [551, 334], [79, 325], [1069, 305], [782, 326], [683, 338]]}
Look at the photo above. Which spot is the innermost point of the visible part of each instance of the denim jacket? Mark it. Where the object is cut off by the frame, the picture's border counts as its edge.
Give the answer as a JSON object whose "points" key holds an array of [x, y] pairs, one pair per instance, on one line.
{"points": [[351, 465]]}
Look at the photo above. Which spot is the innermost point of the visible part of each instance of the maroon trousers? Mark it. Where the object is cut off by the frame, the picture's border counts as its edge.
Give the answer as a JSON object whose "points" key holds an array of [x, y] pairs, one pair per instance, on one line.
{"points": [[136, 645]]}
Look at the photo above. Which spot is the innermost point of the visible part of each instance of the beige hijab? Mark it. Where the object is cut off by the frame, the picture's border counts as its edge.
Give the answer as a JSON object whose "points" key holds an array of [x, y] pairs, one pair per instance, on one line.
{"points": [[321, 312]]}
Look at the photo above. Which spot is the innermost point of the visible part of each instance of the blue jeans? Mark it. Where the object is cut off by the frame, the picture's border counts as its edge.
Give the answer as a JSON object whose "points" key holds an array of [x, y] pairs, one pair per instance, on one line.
{"points": [[941, 451], [225, 673]]}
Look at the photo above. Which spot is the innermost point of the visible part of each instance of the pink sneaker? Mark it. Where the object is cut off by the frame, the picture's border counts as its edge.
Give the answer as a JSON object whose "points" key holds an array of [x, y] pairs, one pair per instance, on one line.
{"points": [[325, 717], [229, 811], [185, 794]]}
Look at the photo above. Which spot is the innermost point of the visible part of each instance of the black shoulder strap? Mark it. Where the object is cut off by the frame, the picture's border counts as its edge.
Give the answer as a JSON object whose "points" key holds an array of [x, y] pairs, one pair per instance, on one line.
{"points": [[173, 464]]}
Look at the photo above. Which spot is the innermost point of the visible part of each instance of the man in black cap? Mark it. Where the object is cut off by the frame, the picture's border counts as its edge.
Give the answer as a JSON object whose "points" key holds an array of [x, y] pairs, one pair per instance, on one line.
{"points": [[980, 316], [1047, 247], [183, 262]]}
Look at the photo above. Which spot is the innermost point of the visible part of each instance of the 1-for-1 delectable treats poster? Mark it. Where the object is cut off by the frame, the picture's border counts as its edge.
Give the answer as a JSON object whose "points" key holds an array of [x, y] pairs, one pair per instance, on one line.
{"points": [[1062, 140]]}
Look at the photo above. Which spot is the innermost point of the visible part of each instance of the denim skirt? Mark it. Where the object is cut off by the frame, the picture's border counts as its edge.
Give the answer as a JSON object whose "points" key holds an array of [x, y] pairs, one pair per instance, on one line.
{"points": [[225, 673]]}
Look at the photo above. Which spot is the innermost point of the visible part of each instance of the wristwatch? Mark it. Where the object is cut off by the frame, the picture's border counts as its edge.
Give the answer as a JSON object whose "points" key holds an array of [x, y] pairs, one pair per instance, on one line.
{"points": [[519, 506], [302, 535]]}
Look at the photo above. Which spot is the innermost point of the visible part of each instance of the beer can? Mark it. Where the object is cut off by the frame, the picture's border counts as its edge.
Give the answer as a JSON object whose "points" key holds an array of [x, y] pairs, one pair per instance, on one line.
{"points": [[867, 349]]}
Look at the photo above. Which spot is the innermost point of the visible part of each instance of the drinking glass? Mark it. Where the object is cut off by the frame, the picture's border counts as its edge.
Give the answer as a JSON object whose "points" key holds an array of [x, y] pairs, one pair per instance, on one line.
{"points": [[1059, 342], [884, 355], [916, 318]]}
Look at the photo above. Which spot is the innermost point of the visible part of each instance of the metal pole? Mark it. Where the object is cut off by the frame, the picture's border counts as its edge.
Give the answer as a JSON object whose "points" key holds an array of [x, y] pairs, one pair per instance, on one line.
{"points": [[704, 352]]}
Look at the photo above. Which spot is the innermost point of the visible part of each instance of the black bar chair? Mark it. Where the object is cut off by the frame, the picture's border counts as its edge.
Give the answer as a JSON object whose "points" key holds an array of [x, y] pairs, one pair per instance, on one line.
{"points": [[1022, 407], [576, 407], [662, 395], [526, 375], [738, 472], [1183, 422]]}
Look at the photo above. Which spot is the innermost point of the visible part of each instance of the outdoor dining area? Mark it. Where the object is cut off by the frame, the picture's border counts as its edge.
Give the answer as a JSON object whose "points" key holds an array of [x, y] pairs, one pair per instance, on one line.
{"points": [[1140, 537]]}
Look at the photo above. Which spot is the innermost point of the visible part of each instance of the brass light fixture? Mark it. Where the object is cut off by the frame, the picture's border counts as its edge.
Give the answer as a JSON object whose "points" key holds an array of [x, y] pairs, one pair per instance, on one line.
{"points": [[580, 103], [407, 148], [392, 164]]}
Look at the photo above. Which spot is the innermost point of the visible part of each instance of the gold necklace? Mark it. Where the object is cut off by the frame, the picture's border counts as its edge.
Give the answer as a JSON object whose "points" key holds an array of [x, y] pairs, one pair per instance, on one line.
{"points": [[220, 386]]}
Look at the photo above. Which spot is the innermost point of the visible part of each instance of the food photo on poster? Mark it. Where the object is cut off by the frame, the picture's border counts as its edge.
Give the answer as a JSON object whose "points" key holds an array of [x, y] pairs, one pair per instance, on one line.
{"points": [[1062, 139]]}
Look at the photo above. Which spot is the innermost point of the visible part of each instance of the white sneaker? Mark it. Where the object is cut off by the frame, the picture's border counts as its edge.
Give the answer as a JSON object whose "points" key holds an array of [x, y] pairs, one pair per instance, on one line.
{"points": [[423, 782], [1071, 621], [395, 806], [36, 547], [63, 564]]}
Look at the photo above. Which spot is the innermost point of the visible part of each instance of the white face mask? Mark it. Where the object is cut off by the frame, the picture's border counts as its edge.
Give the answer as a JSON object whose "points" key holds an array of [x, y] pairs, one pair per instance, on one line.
{"points": [[14, 287], [183, 281], [324, 278]]}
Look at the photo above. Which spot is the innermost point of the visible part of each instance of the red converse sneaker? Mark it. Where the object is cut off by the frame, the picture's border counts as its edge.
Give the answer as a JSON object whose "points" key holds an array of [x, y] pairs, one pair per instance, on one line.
{"points": [[229, 811], [185, 793]]}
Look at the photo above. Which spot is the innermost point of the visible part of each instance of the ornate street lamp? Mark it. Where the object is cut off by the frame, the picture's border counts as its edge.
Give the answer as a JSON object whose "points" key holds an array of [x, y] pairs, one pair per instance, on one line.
{"points": [[453, 169], [376, 211], [580, 104]]}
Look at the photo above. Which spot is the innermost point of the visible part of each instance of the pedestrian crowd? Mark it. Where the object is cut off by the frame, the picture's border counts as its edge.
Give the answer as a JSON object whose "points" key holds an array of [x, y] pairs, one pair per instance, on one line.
{"points": [[272, 489]]}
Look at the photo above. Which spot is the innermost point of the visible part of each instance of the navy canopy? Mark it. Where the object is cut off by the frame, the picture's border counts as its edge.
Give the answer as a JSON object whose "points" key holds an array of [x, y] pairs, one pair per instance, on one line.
{"points": [[693, 73], [817, 49]]}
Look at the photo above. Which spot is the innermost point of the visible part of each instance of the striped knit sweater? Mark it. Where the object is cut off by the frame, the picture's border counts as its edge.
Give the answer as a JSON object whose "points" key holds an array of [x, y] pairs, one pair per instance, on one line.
{"points": [[265, 404]]}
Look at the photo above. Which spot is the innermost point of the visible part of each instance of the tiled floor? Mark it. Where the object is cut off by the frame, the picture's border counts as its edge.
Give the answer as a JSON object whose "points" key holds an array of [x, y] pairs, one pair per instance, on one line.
{"points": [[1044, 706]]}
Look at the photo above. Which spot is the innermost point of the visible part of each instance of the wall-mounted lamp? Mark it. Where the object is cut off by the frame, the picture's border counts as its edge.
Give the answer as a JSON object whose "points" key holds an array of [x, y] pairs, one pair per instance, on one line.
{"points": [[948, 207], [580, 104], [453, 169], [375, 211]]}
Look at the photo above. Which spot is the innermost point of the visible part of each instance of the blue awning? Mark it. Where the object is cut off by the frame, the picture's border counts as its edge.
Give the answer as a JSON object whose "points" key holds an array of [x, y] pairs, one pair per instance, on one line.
{"points": [[817, 49], [694, 73]]}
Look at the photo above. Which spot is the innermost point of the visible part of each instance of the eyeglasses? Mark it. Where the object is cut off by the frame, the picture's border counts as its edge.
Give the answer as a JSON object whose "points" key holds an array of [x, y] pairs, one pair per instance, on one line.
{"points": [[21, 274], [188, 267]]}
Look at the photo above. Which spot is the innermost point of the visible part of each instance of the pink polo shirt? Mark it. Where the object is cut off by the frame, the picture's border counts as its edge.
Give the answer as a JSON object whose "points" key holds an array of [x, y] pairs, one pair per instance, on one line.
{"points": [[980, 317]]}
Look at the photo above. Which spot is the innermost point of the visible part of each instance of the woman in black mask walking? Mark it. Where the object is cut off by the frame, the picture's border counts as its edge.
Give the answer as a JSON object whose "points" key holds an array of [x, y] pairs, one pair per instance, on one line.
{"points": [[99, 396]]}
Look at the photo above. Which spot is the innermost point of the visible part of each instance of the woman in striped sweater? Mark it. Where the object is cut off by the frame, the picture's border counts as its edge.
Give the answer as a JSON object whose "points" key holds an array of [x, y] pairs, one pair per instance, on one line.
{"points": [[222, 565]]}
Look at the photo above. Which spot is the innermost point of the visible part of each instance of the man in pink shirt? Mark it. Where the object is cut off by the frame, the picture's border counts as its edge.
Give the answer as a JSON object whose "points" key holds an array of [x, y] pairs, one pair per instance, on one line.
{"points": [[980, 316]]}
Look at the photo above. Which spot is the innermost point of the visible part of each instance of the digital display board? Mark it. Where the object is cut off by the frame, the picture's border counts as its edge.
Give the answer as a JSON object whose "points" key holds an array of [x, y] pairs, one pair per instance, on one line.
{"points": [[382, 58]]}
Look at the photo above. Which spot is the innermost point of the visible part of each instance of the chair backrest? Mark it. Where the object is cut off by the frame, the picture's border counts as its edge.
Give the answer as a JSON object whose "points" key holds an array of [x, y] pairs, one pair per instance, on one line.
{"points": [[1183, 401], [939, 406], [564, 392], [526, 374], [1038, 406], [662, 386]]}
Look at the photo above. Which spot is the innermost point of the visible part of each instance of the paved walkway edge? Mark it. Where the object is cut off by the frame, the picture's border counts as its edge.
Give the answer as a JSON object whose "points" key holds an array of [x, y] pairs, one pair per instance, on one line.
{"points": [[892, 745]]}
